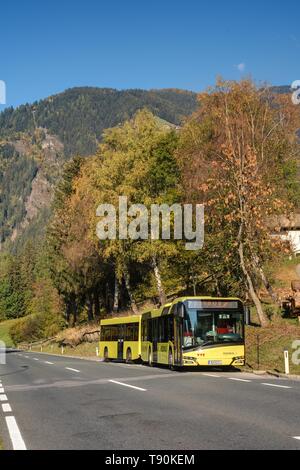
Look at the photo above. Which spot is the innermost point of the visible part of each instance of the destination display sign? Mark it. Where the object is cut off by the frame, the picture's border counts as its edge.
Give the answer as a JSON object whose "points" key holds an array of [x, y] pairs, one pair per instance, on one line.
{"points": [[213, 304]]}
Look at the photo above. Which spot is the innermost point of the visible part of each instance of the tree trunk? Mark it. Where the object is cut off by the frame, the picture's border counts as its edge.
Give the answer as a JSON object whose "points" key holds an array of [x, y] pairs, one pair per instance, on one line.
{"points": [[107, 298], [116, 295], [264, 279], [96, 304], [128, 287], [261, 315], [68, 312], [217, 287], [90, 307], [74, 310], [160, 289]]}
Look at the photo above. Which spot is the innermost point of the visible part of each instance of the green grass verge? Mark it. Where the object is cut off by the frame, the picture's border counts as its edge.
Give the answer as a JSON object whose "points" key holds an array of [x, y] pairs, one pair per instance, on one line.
{"points": [[272, 342]]}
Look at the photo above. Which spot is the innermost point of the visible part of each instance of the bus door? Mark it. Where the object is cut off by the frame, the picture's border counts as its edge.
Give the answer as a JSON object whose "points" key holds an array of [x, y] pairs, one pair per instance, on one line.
{"points": [[178, 331], [121, 342], [120, 349], [154, 339]]}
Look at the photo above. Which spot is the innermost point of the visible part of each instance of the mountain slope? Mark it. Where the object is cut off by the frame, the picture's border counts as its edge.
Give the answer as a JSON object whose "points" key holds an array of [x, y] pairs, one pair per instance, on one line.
{"points": [[37, 139], [79, 115]]}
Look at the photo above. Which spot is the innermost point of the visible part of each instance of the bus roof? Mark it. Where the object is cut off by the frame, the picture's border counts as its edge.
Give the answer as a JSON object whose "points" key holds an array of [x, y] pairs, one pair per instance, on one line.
{"points": [[121, 320], [156, 312]]}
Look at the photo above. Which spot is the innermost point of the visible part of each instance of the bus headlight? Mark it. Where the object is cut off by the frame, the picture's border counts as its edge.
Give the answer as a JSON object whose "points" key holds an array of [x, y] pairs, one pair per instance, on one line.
{"points": [[239, 359], [190, 359]]}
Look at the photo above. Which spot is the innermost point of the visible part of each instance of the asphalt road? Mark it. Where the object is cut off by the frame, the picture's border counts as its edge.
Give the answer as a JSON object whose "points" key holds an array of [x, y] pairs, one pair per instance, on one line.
{"points": [[52, 402]]}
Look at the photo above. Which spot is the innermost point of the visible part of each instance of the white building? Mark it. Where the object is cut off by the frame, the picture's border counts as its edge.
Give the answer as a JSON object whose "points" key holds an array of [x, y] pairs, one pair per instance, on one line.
{"points": [[288, 229]]}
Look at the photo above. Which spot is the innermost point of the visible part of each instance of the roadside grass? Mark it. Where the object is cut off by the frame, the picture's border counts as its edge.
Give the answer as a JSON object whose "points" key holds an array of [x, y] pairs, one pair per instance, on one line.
{"points": [[82, 350], [283, 272], [271, 343], [4, 332]]}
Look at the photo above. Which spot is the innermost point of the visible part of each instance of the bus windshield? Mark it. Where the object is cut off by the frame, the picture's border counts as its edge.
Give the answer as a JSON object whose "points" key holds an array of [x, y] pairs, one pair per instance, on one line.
{"points": [[201, 328]]}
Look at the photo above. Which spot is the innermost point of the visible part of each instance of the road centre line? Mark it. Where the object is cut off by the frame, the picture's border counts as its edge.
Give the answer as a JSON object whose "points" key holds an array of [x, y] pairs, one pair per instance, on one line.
{"points": [[14, 433], [48, 362], [239, 380], [211, 375], [274, 385], [6, 408], [73, 370], [127, 385]]}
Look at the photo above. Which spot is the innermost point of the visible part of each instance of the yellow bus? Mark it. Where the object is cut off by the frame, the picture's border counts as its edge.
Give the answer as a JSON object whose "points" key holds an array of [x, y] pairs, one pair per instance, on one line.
{"points": [[120, 338], [195, 331], [190, 331]]}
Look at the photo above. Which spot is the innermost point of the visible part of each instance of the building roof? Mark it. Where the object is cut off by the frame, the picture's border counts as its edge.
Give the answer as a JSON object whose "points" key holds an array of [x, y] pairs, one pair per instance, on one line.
{"points": [[283, 222]]}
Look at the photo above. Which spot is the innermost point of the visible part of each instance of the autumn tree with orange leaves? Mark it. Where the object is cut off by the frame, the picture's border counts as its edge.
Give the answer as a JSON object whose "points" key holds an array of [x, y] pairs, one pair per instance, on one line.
{"points": [[235, 153]]}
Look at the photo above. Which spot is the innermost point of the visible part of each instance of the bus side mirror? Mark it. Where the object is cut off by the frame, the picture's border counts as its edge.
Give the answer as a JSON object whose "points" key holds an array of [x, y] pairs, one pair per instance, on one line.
{"points": [[247, 315], [180, 310]]}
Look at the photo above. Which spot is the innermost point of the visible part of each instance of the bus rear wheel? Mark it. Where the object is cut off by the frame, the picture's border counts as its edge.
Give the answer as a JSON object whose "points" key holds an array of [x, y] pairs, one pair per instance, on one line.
{"points": [[128, 356], [106, 358], [170, 360], [150, 361]]}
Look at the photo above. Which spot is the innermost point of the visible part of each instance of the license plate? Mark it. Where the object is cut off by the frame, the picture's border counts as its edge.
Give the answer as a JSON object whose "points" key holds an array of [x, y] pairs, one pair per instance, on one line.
{"points": [[215, 363]]}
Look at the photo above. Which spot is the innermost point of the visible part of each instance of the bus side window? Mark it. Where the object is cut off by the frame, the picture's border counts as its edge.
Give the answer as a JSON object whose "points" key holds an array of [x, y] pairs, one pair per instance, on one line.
{"points": [[132, 332], [135, 332], [155, 330], [114, 333], [170, 328], [126, 332], [166, 334], [105, 333], [150, 327], [144, 334], [159, 329], [163, 333]]}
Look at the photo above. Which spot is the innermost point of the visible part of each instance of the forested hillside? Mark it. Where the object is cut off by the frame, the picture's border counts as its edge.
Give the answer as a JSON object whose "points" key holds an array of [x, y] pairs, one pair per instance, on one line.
{"points": [[79, 115], [36, 140]]}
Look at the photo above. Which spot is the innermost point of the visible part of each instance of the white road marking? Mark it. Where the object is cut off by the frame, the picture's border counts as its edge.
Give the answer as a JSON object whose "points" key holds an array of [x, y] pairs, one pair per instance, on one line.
{"points": [[274, 385], [51, 363], [6, 408], [296, 437], [1, 390], [14, 433], [3, 398], [35, 359], [127, 385], [238, 380], [211, 375], [26, 357], [73, 370]]}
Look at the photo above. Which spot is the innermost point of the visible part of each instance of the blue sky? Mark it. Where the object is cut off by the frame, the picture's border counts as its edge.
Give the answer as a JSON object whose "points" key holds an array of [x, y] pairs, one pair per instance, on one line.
{"points": [[49, 46]]}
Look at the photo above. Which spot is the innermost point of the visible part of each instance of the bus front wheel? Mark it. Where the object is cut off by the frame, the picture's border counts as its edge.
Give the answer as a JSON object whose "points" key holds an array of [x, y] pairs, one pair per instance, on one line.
{"points": [[170, 360]]}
